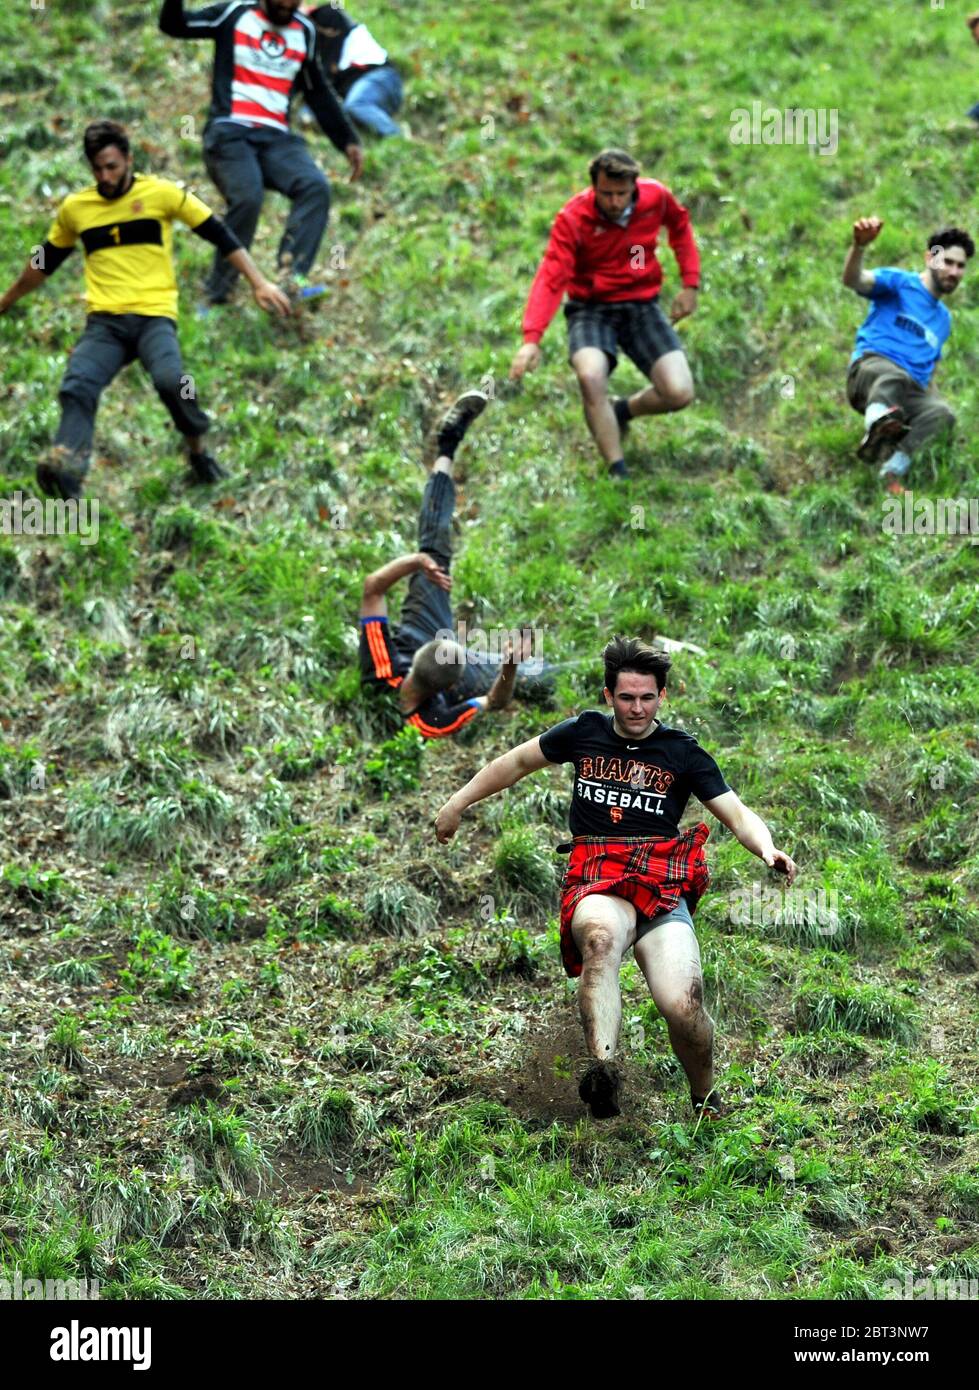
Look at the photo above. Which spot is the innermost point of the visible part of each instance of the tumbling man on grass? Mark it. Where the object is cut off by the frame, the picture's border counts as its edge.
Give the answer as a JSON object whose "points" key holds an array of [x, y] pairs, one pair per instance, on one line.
{"points": [[263, 53], [439, 685], [633, 878], [898, 346], [358, 69], [124, 223], [602, 250]]}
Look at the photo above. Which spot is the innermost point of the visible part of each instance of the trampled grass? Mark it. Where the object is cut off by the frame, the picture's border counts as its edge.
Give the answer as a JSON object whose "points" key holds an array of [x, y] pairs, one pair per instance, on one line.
{"points": [[261, 1035]]}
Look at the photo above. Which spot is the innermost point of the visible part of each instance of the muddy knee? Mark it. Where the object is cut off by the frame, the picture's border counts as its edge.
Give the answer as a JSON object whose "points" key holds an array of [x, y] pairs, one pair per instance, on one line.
{"points": [[685, 1011], [598, 947]]}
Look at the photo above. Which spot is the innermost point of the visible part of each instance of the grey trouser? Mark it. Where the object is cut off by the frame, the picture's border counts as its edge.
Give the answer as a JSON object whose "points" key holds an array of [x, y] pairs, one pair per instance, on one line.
{"points": [[244, 161], [109, 343], [875, 378]]}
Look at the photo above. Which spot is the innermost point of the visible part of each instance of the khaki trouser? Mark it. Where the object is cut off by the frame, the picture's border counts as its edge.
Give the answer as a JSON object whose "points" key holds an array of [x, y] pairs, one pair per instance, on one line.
{"points": [[875, 378]]}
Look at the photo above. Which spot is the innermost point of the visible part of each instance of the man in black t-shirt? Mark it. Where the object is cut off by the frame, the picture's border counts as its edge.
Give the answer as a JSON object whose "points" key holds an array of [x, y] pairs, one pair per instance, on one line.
{"points": [[439, 684], [633, 878]]}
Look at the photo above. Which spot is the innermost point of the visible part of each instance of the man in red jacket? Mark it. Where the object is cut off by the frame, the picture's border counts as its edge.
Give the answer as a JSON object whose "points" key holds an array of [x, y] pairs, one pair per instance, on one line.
{"points": [[602, 251]]}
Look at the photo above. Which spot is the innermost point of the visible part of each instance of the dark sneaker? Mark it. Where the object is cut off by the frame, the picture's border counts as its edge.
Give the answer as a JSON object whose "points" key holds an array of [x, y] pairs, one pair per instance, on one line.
{"points": [[709, 1107], [457, 419], [599, 1089], [58, 482], [205, 469], [621, 407], [618, 469], [886, 429]]}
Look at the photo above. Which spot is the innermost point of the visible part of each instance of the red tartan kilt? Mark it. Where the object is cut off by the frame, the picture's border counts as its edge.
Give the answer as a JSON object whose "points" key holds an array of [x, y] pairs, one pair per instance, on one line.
{"points": [[651, 874]]}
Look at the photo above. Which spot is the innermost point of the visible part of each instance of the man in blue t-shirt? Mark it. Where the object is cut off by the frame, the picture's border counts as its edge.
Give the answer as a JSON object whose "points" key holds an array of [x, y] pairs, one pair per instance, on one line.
{"points": [[899, 345]]}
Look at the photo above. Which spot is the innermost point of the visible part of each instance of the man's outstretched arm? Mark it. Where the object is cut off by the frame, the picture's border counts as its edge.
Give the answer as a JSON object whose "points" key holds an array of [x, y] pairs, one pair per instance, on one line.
{"points": [[197, 24], [267, 295], [865, 230], [502, 772], [748, 827], [676, 218], [501, 691], [42, 264], [30, 278], [333, 120], [546, 293], [373, 603]]}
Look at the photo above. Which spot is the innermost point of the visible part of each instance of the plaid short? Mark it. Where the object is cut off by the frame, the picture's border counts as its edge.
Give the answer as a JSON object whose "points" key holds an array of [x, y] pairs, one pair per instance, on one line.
{"points": [[653, 875], [638, 326]]}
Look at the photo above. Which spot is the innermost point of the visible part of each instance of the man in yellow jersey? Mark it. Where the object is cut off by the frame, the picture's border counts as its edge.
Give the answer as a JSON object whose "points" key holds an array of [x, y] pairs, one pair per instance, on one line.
{"points": [[124, 223]]}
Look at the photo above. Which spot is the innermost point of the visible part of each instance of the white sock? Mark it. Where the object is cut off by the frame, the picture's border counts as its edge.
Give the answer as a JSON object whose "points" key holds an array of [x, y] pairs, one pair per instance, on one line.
{"points": [[896, 466], [874, 411]]}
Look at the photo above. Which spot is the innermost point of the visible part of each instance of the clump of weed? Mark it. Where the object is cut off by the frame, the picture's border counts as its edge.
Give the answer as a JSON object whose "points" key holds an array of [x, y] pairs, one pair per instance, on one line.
{"points": [[158, 963], [399, 909], [396, 766], [872, 1010]]}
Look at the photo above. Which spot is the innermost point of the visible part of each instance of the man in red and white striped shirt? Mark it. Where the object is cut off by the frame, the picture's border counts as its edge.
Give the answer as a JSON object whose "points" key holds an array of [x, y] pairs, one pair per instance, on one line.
{"points": [[263, 53], [602, 251]]}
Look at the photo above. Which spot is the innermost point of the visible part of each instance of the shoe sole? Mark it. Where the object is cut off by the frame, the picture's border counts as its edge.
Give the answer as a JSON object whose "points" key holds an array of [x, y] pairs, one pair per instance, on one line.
{"points": [[468, 407], [600, 1101], [457, 419], [888, 427]]}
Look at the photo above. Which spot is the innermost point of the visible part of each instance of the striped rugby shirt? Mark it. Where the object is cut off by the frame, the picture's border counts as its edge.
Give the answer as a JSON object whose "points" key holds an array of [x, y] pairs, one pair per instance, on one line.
{"points": [[258, 66], [383, 666]]}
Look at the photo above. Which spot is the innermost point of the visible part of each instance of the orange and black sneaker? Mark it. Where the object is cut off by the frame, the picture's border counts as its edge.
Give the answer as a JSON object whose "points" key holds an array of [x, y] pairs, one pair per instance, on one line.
{"points": [[599, 1090]]}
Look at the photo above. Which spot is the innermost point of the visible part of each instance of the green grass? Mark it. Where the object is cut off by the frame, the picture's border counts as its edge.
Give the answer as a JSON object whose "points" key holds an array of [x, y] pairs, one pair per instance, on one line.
{"points": [[218, 865]]}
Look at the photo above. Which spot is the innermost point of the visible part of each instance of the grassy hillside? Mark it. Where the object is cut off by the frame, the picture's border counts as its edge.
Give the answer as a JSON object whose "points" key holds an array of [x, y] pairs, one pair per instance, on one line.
{"points": [[261, 1035]]}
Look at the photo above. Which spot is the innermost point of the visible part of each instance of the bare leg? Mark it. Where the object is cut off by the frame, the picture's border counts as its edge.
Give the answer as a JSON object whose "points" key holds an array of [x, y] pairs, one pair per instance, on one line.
{"points": [[671, 389], [591, 369], [669, 957], [604, 927]]}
